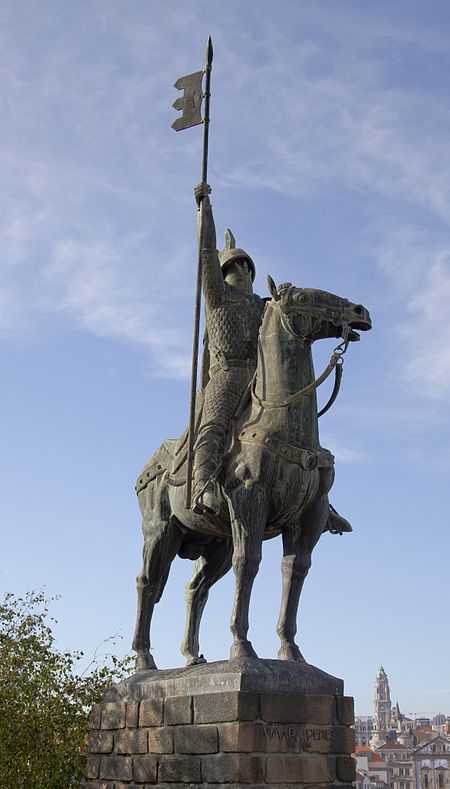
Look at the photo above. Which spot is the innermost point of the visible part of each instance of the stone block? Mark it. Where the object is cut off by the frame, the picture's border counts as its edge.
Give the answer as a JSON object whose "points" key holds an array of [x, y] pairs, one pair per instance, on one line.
{"points": [[99, 785], [100, 742], [179, 768], [131, 741], [173, 785], [145, 768], [239, 786], [345, 741], [231, 705], [177, 710], [233, 768], [93, 766], [323, 786], [95, 716], [291, 769], [285, 738], [241, 737], [345, 710], [340, 786], [116, 767], [151, 712], [196, 739], [297, 708], [160, 740], [113, 715], [346, 768], [292, 738], [120, 785], [132, 714]]}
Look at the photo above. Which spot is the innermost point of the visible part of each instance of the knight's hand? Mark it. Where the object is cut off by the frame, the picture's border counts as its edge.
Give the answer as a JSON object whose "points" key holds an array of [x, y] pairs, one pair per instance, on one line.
{"points": [[201, 191], [353, 336]]}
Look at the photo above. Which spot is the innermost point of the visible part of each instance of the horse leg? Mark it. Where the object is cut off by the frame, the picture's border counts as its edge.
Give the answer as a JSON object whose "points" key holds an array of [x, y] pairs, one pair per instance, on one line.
{"points": [[209, 568], [299, 539], [161, 544], [248, 515]]}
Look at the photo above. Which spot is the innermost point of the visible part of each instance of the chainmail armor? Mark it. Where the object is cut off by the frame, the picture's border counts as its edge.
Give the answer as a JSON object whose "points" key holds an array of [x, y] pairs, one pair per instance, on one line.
{"points": [[233, 320]]}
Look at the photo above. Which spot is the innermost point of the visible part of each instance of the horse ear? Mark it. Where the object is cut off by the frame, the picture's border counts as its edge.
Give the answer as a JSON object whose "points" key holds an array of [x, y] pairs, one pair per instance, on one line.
{"points": [[230, 241], [272, 288]]}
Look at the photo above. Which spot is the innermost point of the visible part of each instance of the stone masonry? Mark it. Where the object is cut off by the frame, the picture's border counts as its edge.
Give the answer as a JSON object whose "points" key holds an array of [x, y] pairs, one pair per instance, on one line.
{"points": [[236, 738]]}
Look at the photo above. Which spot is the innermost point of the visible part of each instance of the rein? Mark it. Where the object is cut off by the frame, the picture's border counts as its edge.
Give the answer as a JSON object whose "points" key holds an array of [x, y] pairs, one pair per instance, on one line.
{"points": [[336, 363]]}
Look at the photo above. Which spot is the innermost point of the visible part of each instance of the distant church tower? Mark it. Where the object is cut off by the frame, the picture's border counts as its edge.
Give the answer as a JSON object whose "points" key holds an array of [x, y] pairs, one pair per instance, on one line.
{"points": [[381, 710]]}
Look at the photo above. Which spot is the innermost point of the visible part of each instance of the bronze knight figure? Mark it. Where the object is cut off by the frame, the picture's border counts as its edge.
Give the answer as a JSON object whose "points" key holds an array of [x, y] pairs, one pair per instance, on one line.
{"points": [[259, 468], [233, 319]]}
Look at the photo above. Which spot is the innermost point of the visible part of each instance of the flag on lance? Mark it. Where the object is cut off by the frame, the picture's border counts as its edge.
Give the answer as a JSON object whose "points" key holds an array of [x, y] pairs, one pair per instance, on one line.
{"points": [[190, 102]]}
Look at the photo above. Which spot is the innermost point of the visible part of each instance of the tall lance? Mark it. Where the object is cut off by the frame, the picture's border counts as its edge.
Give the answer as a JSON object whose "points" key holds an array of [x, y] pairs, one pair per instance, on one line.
{"points": [[190, 104]]}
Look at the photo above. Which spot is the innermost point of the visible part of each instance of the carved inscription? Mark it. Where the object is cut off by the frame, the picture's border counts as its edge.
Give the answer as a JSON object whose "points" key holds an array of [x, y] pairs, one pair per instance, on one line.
{"points": [[300, 738]]}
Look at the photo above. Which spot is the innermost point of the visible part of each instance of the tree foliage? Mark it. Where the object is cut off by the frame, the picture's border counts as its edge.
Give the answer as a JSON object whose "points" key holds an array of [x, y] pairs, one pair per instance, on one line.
{"points": [[44, 700]]}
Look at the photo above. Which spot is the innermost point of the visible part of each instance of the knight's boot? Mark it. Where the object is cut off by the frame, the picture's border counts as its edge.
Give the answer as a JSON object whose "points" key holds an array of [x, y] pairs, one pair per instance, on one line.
{"points": [[336, 523], [208, 453]]}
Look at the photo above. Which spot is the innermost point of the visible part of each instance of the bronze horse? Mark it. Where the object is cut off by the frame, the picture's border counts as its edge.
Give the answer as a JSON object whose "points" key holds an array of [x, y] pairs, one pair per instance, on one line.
{"points": [[275, 480]]}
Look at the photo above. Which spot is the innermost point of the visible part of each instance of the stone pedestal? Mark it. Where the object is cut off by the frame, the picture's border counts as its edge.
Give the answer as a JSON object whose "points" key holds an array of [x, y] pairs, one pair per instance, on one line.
{"points": [[259, 723]]}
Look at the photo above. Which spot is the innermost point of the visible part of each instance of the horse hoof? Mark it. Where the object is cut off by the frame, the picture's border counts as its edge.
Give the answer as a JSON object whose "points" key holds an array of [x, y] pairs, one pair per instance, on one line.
{"points": [[291, 652], [144, 662], [242, 648], [196, 661]]}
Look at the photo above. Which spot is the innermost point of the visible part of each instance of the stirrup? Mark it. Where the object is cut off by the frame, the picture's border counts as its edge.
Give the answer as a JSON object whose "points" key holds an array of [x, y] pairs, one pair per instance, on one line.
{"points": [[206, 500]]}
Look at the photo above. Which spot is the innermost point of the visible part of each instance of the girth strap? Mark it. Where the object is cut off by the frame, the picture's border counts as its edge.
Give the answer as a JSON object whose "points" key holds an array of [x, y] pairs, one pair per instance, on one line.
{"points": [[308, 459]]}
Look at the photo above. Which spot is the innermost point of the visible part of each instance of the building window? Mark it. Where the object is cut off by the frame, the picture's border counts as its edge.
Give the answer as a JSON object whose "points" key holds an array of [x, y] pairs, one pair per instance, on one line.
{"points": [[425, 780], [441, 780]]}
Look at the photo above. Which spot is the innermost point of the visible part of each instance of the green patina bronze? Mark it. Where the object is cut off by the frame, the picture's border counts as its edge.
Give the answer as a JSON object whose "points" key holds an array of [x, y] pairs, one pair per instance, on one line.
{"points": [[258, 467]]}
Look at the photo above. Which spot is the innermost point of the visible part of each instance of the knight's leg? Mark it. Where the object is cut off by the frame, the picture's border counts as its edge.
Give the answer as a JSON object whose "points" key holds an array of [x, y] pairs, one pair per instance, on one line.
{"points": [[248, 513], [299, 540], [161, 543], [208, 454], [222, 396], [208, 569]]}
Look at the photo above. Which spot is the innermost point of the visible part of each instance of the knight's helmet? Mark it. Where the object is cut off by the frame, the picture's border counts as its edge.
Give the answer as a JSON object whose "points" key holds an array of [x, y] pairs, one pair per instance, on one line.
{"points": [[231, 252]]}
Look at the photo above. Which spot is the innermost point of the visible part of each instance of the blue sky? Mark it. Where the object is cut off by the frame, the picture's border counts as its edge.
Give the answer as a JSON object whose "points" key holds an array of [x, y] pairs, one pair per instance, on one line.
{"points": [[329, 160]]}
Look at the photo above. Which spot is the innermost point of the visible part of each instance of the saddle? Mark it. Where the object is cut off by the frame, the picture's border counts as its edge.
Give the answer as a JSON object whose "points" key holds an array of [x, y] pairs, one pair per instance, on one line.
{"points": [[171, 456]]}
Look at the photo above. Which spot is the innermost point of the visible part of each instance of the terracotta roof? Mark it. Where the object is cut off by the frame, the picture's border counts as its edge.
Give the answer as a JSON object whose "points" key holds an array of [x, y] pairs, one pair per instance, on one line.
{"points": [[392, 745], [360, 750], [422, 735]]}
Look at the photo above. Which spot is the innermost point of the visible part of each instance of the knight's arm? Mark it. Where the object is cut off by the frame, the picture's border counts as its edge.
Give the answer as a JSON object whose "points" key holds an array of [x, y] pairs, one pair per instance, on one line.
{"points": [[212, 282]]}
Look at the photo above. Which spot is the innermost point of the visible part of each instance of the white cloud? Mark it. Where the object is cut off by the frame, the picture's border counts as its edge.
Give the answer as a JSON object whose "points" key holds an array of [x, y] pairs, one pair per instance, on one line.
{"points": [[417, 265], [92, 213], [428, 334]]}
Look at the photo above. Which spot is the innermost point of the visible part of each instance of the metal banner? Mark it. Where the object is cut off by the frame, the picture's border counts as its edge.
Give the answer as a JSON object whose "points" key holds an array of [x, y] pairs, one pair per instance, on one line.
{"points": [[190, 102]]}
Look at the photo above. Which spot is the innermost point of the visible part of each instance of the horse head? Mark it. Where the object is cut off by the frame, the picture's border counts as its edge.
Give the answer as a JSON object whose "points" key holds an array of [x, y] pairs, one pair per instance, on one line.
{"points": [[312, 314]]}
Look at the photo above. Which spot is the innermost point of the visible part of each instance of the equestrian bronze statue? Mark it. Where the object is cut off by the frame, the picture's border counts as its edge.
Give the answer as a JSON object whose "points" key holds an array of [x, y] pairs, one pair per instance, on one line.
{"points": [[258, 467]]}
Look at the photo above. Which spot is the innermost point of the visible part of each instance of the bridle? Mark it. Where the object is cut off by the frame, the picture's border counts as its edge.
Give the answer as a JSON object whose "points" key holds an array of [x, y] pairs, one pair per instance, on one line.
{"points": [[336, 361]]}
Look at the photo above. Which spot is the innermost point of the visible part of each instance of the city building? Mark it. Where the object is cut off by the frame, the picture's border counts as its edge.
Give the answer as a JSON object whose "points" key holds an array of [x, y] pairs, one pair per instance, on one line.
{"points": [[382, 712], [431, 764], [363, 729], [397, 752]]}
